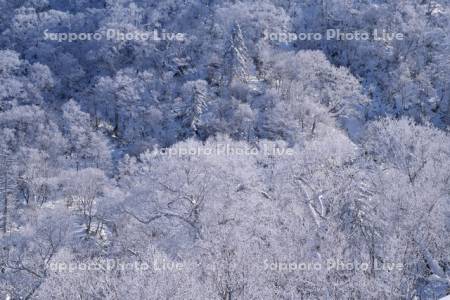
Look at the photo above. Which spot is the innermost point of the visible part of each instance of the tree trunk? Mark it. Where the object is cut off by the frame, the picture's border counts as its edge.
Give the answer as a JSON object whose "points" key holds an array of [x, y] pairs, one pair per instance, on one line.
{"points": [[5, 207]]}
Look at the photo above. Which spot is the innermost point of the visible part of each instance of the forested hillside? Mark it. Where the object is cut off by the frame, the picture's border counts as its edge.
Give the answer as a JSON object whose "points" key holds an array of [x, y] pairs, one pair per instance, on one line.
{"points": [[205, 149]]}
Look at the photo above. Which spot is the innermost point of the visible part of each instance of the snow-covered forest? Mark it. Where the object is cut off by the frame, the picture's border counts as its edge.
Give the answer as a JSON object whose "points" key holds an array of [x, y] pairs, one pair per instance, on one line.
{"points": [[224, 149]]}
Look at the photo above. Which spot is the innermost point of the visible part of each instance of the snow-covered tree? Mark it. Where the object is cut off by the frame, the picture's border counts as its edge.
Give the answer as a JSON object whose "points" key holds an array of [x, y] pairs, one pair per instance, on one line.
{"points": [[237, 64], [194, 104], [87, 147]]}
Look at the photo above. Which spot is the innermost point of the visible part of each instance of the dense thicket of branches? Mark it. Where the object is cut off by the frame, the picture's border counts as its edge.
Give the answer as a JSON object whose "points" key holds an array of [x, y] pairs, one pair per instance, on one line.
{"points": [[346, 150]]}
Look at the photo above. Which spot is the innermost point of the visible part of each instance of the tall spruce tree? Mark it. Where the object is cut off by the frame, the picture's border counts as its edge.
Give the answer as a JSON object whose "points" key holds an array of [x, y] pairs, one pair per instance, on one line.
{"points": [[238, 65]]}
